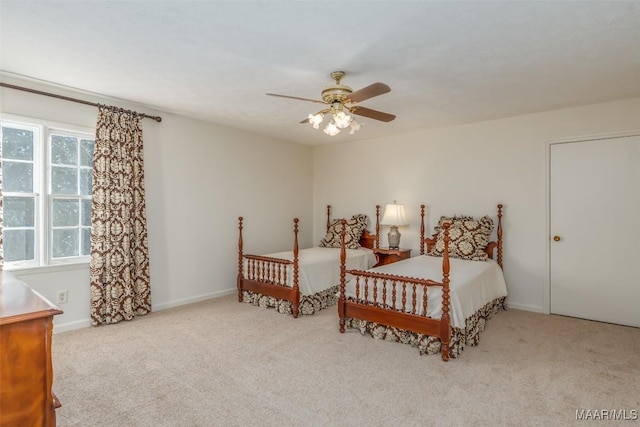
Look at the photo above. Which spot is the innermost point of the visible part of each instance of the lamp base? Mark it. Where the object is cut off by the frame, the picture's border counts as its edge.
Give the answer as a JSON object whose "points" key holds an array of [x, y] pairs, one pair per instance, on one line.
{"points": [[394, 238]]}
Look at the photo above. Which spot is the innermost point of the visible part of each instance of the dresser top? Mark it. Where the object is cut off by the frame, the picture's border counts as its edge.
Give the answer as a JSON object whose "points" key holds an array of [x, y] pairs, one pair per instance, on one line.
{"points": [[18, 302]]}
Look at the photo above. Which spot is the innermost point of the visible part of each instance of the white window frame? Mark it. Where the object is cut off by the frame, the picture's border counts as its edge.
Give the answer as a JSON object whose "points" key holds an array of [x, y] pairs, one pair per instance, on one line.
{"points": [[43, 129]]}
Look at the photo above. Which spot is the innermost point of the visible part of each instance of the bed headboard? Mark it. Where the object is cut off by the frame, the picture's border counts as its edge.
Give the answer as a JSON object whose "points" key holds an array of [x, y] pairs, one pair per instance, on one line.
{"points": [[494, 248], [367, 240]]}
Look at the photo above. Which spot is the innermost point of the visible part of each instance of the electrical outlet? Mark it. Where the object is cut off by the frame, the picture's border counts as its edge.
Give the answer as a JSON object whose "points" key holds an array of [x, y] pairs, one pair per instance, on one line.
{"points": [[63, 297]]}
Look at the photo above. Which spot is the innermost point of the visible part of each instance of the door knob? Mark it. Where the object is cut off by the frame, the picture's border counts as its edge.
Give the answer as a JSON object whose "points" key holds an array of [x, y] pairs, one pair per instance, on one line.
{"points": [[556, 238]]}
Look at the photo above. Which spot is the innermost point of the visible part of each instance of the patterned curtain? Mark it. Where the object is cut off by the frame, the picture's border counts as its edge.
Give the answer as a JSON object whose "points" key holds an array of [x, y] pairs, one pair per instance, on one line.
{"points": [[119, 269]]}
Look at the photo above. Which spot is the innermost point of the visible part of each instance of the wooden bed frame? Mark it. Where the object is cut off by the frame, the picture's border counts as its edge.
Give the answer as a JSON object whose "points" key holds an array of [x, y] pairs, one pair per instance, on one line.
{"points": [[401, 288], [269, 273]]}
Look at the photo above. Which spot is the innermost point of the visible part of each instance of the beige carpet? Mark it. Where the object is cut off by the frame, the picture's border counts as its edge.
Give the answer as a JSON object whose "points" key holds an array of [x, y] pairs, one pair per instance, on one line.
{"points": [[223, 363]]}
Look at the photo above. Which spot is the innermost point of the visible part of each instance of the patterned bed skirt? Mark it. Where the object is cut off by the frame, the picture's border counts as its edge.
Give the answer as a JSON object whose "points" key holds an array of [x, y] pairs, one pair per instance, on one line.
{"points": [[470, 335], [309, 304]]}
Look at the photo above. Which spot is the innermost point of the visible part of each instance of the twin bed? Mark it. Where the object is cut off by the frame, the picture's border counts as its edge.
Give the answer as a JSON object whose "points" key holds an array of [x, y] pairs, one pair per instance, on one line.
{"points": [[402, 301], [438, 302], [304, 281]]}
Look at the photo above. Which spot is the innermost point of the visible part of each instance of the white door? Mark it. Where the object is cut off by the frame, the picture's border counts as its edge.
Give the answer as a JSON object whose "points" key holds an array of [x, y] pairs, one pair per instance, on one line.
{"points": [[595, 230]]}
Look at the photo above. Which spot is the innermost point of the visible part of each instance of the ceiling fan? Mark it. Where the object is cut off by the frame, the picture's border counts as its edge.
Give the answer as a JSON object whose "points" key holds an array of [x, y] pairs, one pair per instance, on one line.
{"points": [[341, 101]]}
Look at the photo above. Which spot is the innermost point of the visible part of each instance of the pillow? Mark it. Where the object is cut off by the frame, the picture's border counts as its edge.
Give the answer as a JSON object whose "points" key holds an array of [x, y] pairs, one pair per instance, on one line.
{"points": [[450, 220], [361, 219], [354, 228], [468, 237]]}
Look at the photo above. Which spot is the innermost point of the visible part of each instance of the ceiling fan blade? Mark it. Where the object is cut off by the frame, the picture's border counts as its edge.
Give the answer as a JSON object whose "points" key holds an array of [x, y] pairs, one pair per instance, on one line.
{"points": [[372, 114], [295, 97], [369, 92]]}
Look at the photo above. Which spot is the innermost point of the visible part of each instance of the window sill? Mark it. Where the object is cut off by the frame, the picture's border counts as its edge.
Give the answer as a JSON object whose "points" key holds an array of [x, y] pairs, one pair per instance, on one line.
{"points": [[25, 271]]}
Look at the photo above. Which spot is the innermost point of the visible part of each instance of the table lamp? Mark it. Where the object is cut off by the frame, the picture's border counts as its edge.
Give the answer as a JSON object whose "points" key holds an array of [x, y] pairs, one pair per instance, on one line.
{"points": [[394, 216]]}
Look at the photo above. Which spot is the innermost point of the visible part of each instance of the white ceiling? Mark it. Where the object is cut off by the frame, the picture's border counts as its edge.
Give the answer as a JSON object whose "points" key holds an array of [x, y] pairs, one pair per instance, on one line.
{"points": [[447, 62]]}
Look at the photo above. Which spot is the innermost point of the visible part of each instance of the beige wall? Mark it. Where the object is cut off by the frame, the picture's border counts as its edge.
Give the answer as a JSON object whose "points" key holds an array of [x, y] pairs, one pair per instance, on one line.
{"points": [[467, 169], [199, 178]]}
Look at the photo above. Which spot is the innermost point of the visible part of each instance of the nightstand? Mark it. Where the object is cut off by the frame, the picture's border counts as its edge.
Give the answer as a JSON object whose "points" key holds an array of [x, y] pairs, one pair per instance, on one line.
{"points": [[389, 256]]}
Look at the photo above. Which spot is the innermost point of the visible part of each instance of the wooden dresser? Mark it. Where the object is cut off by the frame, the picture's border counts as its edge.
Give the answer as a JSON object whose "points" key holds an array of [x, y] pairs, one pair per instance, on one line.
{"points": [[26, 370]]}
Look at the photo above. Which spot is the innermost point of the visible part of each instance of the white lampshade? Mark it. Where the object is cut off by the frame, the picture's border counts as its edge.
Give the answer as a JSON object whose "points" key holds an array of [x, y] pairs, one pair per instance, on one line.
{"points": [[354, 126], [394, 215], [341, 119], [315, 120], [331, 129]]}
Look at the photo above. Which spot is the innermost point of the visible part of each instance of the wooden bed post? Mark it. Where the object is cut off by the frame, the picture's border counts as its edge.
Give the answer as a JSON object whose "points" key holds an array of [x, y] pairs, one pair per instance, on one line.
{"points": [[343, 258], [239, 280], [445, 321], [328, 217], [377, 226], [500, 235], [421, 229], [296, 288]]}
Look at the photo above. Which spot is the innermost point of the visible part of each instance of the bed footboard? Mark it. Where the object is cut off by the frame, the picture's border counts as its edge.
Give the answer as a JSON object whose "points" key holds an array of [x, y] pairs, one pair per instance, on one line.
{"points": [[396, 301], [268, 275]]}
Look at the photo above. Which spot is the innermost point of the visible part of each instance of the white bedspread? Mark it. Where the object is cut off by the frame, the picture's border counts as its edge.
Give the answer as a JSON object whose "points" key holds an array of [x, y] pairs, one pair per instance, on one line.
{"points": [[472, 284], [319, 268]]}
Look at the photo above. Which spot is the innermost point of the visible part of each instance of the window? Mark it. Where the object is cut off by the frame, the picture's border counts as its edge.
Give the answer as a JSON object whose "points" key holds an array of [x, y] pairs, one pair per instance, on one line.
{"points": [[47, 172]]}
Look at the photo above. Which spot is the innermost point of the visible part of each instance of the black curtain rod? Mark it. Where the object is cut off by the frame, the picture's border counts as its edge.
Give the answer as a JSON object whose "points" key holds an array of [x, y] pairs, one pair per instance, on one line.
{"points": [[79, 101]]}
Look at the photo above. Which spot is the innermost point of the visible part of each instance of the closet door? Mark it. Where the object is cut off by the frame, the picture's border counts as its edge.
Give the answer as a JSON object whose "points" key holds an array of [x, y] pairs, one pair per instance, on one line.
{"points": [[595, 230]]}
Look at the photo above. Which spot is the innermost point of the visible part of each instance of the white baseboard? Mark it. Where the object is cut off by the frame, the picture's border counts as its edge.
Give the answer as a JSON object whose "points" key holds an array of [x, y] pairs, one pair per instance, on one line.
{"points": [[70, 326], [85, 323], [525, 307], [191, 300]]}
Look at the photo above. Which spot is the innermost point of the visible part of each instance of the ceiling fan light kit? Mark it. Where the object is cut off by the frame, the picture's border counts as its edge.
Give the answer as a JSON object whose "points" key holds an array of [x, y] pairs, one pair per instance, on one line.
{"points": [[342, 102], [340, 120]]}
